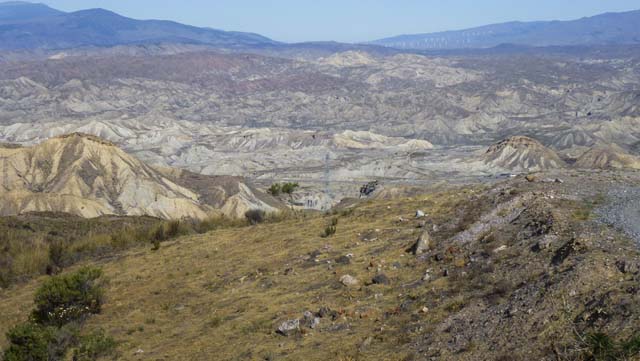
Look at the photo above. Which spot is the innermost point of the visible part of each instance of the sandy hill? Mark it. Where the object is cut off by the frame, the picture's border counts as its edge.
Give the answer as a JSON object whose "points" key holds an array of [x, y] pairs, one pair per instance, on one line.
{"points": [[87, 176], [607, 156], [522, 154]]}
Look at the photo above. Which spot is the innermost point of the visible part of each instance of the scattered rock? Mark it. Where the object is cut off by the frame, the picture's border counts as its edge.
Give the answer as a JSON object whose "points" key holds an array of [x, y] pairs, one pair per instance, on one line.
{"points": [[427, 276], [422, 224], [310, 320], [326, 312], [628, 267], [380, 279], [419, 214], [500, 249], [530, 178], [343, 260], [366, 343], [422, 244], [545, 243], [289, 327], [349, 281]]}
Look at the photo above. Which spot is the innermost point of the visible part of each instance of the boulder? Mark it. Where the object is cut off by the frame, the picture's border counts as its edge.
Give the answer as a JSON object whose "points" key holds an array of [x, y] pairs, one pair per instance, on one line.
{"points": [[289, 327], [422, 244], [349, 281]]}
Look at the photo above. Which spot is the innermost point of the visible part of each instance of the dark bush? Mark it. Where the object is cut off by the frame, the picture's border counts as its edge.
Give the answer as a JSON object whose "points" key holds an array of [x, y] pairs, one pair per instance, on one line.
{"points": [[328, 232], [29, 341], [66, 298], [275, 189], [289, 188], [255, 216]]}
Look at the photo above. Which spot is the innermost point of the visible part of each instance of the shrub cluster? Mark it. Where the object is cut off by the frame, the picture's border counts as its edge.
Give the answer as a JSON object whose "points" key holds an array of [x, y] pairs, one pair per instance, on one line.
{"points": [[287, 188], [62, 304]]}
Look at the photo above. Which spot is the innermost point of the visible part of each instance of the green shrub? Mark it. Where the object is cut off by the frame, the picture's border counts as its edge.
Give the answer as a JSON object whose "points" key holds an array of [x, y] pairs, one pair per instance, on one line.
{"points": [[289, 188], [328, 231], [286, 188], [255, 216], [275, 189], [71, 297], [93, 346], [29, 341], [601, 347]]}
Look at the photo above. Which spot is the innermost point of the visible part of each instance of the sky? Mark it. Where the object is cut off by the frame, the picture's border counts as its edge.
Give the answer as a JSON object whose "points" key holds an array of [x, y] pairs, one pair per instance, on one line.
{"points": [[348, 20]]}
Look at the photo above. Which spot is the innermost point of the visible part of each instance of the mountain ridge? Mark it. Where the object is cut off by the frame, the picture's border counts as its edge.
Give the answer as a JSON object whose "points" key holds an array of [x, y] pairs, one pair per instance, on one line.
{"points": [[602, 29], [37, 26]]}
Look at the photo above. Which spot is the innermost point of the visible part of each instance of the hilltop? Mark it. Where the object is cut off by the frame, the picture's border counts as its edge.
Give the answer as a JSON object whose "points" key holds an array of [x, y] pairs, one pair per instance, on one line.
{"points": [[87, 176]]}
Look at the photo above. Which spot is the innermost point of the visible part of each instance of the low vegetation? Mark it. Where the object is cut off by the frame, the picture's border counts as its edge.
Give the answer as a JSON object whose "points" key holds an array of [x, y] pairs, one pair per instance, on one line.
{"points": [[37, 244], [228, 292], [282, 188], [62, 305]]}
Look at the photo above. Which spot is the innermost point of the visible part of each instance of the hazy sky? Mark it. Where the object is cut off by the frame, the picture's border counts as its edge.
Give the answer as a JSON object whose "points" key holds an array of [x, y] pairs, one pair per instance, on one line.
{"points": [[348, 20]]}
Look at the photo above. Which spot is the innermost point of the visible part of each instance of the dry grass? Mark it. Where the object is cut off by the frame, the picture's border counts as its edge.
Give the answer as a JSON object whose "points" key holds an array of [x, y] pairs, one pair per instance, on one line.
{"points": [[224, 293]]}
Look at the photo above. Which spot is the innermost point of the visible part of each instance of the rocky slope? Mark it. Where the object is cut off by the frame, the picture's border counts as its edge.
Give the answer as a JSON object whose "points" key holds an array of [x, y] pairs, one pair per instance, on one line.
{"points": [[87, 176], [522, 154], [512, 271]]}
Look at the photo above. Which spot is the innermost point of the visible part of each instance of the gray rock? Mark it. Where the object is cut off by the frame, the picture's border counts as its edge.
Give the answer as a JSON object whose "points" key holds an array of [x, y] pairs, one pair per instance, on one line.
{"points": [[419, 214], [289, 327], [422, 244], [349, 281]]}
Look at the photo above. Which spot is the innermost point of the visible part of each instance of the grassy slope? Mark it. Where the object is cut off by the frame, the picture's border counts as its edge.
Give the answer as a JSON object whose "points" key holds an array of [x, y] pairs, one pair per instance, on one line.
{"points": [[221, 295]]}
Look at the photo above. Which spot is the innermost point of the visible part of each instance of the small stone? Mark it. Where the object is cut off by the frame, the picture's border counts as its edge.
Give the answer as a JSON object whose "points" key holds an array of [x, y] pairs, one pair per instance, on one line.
{"points": [[349, 281], [343, 260], [289, 327], [427, 276], [419, 214], [139, 351], [424, 309], [326, 312], [500, 249], [310, 320], [422, 244], [380, 279], [315, 323], [530, 178]]}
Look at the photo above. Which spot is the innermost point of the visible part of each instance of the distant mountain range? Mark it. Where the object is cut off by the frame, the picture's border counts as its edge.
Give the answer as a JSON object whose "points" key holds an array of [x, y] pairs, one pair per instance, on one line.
{"points": [[605, 29], [26, 25]]}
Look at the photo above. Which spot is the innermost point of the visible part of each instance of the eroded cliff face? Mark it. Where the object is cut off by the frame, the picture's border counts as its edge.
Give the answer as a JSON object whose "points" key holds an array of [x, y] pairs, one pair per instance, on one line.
{"points": [[88, 176]]}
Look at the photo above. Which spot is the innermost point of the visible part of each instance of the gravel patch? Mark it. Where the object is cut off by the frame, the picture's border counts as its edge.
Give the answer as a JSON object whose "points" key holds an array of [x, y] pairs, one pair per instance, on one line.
{"points": [[623, 211]]}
